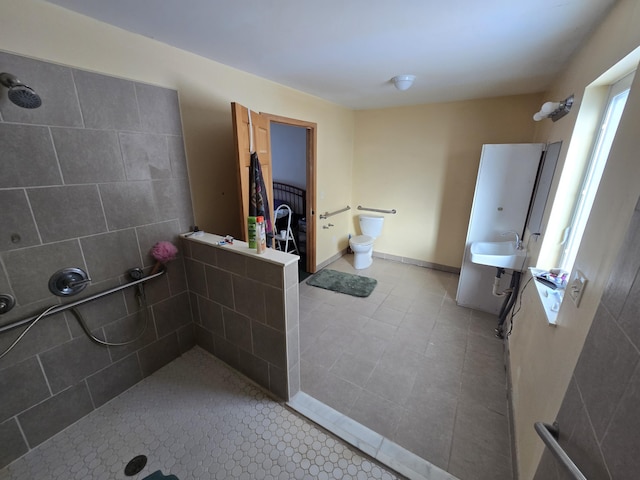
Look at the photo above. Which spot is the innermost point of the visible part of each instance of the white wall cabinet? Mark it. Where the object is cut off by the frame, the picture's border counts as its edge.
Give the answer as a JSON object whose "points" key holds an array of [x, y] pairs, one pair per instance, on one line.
{"points": [[504, 186]]}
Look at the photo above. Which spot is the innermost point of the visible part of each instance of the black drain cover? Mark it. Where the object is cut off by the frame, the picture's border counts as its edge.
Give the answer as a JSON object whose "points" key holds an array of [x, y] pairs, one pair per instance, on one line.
{"points": [[135, 466]]}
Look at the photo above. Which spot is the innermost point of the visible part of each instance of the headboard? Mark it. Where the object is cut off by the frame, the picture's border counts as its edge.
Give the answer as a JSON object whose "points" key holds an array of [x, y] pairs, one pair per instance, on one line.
{"points": [[295, 197]]}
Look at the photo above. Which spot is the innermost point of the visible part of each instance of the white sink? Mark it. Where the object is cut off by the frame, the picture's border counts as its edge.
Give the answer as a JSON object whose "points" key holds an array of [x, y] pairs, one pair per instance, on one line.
{"points": [[498, 254]]}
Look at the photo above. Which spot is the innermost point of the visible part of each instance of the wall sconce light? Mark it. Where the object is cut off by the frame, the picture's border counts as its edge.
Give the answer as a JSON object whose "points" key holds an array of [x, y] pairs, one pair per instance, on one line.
{"points": [[403, 82], [554, 110]]}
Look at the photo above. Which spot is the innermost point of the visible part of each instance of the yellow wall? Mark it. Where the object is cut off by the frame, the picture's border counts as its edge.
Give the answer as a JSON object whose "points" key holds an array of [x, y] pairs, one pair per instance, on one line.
{"points": [[206, 89], [447, 160], [420, 160], [423, 161], [543, 357]]}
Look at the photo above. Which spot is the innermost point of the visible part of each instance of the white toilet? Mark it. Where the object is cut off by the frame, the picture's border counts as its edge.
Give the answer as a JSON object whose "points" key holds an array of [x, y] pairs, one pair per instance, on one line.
{"points": [[362, 245]]}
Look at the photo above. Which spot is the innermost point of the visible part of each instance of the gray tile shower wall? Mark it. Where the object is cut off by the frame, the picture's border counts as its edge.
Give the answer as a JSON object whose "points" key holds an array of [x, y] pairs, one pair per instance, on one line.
{"points": [[600, 414], [92, 179]]}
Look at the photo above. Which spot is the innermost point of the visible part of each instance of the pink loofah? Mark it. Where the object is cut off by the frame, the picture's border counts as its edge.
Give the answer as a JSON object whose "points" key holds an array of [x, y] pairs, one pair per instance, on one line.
{"points": [[162, 252]]}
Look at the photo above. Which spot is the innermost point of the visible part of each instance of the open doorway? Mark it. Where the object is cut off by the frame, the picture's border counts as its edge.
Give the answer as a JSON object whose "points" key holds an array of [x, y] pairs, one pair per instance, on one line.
{"points": [[293, 168], [252, 134]]}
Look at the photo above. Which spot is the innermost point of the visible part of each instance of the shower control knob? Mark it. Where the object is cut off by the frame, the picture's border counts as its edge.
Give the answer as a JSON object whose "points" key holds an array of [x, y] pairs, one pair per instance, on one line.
{"points": [[68, 281], [7, 302]]}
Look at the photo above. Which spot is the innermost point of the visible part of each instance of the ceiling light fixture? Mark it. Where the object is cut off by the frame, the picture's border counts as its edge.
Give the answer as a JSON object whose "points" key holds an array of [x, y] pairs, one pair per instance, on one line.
{"points": [[554, 110], [403, 82]]}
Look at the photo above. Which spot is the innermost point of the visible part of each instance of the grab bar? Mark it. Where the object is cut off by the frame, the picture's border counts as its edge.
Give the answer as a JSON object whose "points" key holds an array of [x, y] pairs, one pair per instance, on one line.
{"points": [[377, 210], [67, 306], [549, 435], [327, 214]]}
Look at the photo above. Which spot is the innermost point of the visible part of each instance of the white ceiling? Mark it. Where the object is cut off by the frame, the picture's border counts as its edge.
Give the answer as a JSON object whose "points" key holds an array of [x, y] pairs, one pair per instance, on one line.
{"points": [[347, 51]]}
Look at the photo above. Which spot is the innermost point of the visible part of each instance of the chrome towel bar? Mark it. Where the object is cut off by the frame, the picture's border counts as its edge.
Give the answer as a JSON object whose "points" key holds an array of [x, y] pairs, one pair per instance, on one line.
{"points": [[377, 210], [67, 306], [549, 435], [327, 214]]}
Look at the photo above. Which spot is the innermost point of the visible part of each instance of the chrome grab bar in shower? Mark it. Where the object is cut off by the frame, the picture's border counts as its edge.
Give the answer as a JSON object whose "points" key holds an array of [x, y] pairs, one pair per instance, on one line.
{"points": [[327, 214], [67, 306], [549, 435], [360, 207]]}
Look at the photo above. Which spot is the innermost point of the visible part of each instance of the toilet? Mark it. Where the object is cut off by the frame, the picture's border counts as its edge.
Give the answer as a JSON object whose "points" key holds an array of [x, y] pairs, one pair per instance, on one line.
{"points": [[362, 245]]}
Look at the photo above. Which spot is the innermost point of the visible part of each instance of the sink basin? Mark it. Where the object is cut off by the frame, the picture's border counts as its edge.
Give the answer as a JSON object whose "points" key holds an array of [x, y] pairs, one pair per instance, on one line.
{"points": [[498, 254]]}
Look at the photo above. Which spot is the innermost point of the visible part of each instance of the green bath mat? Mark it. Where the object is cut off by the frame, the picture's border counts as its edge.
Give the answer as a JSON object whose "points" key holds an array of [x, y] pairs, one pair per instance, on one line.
{"points": [[355, 285]]}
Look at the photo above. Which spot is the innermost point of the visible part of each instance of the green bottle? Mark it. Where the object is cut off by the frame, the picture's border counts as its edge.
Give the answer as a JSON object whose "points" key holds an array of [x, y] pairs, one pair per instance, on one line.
{"points": [[252, 224]]}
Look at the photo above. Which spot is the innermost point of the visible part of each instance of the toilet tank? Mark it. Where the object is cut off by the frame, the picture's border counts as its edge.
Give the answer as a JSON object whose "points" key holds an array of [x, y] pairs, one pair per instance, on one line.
{"points": [[371, 225]]}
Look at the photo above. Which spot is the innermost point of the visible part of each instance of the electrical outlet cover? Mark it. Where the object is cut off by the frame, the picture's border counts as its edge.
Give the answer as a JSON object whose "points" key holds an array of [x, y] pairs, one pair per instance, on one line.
{"points": [[576, 286]]}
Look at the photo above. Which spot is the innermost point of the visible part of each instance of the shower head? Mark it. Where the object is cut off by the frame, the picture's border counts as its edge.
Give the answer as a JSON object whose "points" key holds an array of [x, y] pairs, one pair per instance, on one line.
{"points": [[19, 93]]}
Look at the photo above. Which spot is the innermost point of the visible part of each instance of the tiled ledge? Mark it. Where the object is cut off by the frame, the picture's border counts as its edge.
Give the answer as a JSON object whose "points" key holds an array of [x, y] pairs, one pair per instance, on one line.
{"points": [[238, 246], [373, 444]]}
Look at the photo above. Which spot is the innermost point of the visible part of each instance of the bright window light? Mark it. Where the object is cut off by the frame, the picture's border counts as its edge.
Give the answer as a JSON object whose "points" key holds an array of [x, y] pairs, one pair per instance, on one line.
{"points": [[573, 234]]}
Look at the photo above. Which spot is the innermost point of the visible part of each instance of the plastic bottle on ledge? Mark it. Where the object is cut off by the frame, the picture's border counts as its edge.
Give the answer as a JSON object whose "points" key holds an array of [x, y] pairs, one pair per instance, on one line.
{"points": [[251, 226], [261, 235]]}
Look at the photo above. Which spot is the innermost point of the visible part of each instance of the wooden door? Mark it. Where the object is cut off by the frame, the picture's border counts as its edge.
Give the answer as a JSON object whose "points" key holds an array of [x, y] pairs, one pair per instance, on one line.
{"points": [[311, 167], [262, 146]]}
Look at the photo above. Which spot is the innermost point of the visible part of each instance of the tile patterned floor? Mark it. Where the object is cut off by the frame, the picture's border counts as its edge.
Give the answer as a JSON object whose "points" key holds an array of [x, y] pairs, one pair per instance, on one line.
{"points": [[366, 440], [196, 419], [410, 364]]}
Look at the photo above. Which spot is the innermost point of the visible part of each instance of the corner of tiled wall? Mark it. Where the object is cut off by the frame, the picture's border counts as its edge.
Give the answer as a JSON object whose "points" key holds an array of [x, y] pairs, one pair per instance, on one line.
{"points": [[600, 415], [91, 179], [246, 314]]}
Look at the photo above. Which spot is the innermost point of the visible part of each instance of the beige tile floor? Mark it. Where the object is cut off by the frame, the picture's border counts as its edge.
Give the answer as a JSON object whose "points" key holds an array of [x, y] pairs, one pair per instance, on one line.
{"points": [[197, 419], [410, 364], [406, 362]]}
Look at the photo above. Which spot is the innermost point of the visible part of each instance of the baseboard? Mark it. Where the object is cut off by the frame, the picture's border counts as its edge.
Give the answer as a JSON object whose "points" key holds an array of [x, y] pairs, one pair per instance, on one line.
{"points": [[332, 259], [394, 258], [419, 263], [512, 430]]}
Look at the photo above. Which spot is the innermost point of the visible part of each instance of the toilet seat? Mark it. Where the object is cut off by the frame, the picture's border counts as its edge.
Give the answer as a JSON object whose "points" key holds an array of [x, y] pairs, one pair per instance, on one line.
{"points": [[361, 240]]}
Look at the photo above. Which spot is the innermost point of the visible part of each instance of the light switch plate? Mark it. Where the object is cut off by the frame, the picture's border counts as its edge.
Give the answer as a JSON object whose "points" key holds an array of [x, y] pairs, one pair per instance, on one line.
{"points": [[576, 286]]}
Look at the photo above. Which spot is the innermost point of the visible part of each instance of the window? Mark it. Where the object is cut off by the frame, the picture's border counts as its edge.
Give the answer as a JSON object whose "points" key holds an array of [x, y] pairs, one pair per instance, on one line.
{"points": [[600, 152]]}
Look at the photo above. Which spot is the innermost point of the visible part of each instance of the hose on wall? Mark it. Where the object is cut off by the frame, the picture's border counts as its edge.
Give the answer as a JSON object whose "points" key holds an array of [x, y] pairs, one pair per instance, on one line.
{"points": [[142, 308], [26, 330]]}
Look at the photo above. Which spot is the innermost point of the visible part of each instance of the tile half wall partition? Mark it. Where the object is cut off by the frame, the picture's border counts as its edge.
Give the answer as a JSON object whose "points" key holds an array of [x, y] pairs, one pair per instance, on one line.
{"points": [[246, 309]]}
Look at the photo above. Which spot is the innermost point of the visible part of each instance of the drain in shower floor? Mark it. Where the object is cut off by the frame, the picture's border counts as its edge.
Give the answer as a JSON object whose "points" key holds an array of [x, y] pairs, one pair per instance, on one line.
{"points": [[135, 465]]}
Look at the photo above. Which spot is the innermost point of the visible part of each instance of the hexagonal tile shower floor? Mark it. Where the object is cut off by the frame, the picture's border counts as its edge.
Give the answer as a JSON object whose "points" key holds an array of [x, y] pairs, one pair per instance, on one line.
{"points": [[195, 418]]}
